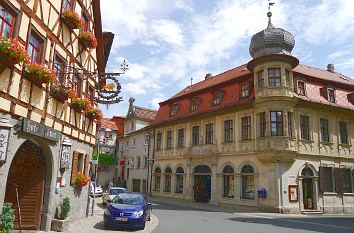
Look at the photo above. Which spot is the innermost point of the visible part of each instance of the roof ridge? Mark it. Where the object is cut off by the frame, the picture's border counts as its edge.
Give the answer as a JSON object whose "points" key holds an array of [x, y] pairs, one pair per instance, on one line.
{"points": [[317, 68], [151, 110]]}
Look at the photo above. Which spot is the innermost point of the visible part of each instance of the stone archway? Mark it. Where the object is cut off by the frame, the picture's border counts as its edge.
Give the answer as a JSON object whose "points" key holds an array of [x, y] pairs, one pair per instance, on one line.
{"points": [[308, 188], [28, 172]]}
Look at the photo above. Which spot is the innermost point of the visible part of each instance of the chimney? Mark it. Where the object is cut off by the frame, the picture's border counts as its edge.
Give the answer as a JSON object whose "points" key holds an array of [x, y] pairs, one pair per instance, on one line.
{"points": [[330, 68], [208, 76]]}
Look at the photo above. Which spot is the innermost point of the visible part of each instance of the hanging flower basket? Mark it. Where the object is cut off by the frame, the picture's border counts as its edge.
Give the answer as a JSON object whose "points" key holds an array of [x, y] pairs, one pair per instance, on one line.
{"points": [[94, 113], [81, 180], [72, 19], [88, 40], [61, 92], [80, 105], [38, 74], [11, 52]]}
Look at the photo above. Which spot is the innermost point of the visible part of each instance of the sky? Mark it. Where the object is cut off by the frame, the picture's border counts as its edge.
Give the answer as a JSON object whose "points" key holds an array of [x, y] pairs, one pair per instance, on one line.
{"points": [[168, 42]]}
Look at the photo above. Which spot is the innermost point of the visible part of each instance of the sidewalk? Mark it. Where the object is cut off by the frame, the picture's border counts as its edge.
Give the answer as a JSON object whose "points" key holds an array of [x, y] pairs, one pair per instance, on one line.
{"points": [[94, 224], [229, 208]]}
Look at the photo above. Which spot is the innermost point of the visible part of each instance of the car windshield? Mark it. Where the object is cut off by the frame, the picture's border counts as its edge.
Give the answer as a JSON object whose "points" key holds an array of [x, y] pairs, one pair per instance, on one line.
{"points": [[116, 191], [129, 199]]}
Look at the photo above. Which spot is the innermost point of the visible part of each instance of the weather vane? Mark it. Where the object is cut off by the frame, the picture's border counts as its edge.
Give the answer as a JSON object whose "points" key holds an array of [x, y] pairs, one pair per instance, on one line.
{"points": [[269, 14]]}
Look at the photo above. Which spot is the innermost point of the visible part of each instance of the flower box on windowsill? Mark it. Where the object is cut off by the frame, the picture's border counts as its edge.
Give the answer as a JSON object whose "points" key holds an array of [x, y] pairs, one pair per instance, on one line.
{"points": [[11, 53], [38, 74], [81, 180], [60, 92], [94, 114], [80, 105], [72, 19], [87, 40]]}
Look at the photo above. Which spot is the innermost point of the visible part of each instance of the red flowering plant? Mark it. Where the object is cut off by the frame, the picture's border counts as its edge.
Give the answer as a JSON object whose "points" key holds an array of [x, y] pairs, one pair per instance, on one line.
{"points": [[38, 74], [81, 180], [88, 40], [94, 113], [61, 92], [80, 104], [11, 52], [72, 19]]}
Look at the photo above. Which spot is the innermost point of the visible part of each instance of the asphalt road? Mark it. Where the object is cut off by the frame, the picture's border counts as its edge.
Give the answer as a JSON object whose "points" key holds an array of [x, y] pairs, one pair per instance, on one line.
{"points": [[180, 219]]}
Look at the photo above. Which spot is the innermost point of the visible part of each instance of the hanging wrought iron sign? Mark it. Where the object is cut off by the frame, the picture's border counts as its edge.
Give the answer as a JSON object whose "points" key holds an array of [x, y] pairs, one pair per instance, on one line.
{"points": [[109, 88]]}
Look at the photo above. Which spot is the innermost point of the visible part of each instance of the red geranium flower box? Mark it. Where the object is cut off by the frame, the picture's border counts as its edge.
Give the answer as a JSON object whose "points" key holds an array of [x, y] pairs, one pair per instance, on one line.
{"points": [[72, 19], [38, 74], [11, 52], [88, 40]]}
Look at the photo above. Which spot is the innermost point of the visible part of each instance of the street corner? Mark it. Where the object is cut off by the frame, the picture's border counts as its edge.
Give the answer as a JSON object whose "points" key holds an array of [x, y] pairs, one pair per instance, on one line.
{"points": [[151, 225]]}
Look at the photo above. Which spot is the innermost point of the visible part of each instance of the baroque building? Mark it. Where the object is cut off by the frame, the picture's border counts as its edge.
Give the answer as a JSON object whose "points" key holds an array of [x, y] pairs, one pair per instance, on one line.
{"points": [[47, 138], [272, 134], [134, 147]]}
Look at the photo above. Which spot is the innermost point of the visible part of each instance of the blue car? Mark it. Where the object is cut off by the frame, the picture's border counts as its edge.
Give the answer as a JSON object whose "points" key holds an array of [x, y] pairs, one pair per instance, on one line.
{"points": [[127, 210]]}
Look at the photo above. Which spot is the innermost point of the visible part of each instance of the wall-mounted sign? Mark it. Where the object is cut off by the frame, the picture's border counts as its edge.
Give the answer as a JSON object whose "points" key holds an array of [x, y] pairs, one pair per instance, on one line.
{"points": [[293, 193], [65, 157], [40, 130]]}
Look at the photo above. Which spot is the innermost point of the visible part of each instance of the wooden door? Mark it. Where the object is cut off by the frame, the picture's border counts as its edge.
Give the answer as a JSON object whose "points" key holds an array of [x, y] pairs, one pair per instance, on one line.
{"points": [[28, 172]]}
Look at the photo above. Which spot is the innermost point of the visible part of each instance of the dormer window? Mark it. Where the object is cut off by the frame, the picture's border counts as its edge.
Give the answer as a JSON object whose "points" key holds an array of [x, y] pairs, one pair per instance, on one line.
{"points": [[260, 79], [217, 97], [194, 103], [331, 95], [274, 79], [301, 87], [245, 89], [174, 109]]}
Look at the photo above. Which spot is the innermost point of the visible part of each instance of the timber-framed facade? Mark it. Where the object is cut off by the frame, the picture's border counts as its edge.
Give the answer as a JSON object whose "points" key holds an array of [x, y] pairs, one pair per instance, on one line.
{"points": [[58, 137]]}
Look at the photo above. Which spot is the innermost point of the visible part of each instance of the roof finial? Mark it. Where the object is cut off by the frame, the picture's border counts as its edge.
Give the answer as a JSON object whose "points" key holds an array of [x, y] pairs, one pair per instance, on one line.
{"points": [[269, 14]]}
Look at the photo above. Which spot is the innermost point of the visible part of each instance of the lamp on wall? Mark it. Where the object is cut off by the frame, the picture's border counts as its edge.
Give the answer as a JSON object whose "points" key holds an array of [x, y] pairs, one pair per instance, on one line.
{"points": [[5, 128]]}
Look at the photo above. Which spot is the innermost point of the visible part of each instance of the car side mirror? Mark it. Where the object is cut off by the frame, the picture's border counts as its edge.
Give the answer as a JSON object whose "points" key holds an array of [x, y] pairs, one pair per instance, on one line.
{"points": [[149, 203], [109, 201]]}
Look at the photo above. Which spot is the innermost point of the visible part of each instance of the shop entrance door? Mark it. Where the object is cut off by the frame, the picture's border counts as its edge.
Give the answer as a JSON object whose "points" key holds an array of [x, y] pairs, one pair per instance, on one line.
{"points": [[307, 189], [27, 170]]}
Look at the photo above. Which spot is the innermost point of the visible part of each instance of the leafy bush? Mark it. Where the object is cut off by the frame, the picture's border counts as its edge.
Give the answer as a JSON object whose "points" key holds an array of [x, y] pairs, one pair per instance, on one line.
{"points": [[7, 218], [64, 209], [105, 159]]}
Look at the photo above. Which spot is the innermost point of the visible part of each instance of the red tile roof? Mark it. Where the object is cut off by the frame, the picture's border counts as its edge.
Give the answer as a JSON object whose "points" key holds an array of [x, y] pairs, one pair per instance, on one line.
{"points": [[109, 123], [144, 113], [229, 82]]}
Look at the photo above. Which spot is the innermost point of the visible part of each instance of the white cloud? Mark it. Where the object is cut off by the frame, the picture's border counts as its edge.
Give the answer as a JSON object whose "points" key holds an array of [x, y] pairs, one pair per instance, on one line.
{"points": [[167, 31], [189, 42]]}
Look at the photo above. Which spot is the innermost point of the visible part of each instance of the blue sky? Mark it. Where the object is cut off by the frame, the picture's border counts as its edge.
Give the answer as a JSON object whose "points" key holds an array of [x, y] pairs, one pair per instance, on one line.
{"points": [[166, 42]]}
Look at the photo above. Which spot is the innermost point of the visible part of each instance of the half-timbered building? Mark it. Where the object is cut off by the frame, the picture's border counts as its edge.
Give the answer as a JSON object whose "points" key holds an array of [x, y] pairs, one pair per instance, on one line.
{"points": [[47, 132]]}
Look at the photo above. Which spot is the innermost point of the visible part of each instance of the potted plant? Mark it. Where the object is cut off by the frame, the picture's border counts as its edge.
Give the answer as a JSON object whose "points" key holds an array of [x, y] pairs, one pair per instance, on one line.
{"points": [[38, 74], [94, 113], [11, 53], [61, 92], [81, 180], [79, 104], [61, 224], [88, 40], [72, 19], [7, 218]]}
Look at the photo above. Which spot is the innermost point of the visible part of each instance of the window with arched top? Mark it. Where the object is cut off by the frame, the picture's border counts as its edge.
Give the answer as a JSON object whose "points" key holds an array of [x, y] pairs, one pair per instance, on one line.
{"points": [[179, 180], [247, 182], [157, 179], [307, 172], [228, 181], [202, 169], [167, 186]]}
